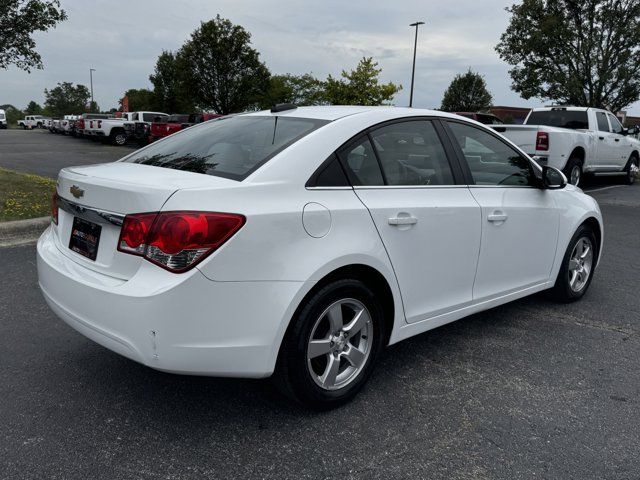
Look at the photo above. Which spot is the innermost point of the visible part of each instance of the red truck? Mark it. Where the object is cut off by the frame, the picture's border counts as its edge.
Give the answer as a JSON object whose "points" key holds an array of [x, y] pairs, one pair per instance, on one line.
{"points": [[175, 123]]}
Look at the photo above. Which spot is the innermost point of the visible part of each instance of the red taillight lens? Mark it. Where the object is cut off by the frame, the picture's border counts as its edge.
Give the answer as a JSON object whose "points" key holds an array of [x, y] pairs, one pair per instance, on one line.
{"points": [[99, 123], [542, 141], [177, 241], [54, 207]]}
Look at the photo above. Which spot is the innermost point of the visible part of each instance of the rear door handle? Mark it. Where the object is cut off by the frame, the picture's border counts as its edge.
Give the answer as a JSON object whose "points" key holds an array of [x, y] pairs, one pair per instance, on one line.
{"points": [[497, 217], [403, 220], [601, 138]]}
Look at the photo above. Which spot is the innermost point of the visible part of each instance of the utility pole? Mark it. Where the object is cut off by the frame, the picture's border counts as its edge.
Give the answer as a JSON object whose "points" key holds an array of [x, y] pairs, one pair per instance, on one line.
{"points": [[91, 70], [413, 70]]}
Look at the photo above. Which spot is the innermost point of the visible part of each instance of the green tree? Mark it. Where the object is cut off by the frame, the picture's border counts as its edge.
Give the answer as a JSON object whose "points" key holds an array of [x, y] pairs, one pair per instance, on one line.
{"points": [[13, 114], [33, 109], [298, 89], [140, 99], [583, 53], [467, 93], [19, 19], [168, 85], [360, 86], [221, 70], [66, 99]]}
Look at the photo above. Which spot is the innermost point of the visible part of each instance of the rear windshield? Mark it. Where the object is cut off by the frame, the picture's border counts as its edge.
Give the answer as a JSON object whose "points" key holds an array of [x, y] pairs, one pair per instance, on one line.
{"points": [[230, 147], [575, 120]]}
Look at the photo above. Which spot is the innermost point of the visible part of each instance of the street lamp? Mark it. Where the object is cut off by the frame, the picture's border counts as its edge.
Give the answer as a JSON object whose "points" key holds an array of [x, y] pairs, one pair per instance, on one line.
{"points": [[91, 70], [413, 70]]}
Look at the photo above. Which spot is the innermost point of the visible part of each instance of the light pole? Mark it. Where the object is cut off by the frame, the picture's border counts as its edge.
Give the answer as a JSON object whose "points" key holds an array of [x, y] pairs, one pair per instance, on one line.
{"points": [[91, 70], [413, 70]]}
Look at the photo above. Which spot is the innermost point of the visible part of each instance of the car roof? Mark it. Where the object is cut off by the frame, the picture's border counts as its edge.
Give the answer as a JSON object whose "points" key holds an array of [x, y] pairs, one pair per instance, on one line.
{"points": [[335, 112]]}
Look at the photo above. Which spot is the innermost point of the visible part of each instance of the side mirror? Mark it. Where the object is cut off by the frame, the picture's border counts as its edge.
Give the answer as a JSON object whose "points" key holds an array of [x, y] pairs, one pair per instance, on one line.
{"points": [[633, 130], [552, 178]]}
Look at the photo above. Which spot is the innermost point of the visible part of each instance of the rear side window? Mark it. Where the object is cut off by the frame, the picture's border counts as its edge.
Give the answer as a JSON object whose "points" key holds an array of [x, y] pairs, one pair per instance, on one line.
{"points": [[411, 154], [360, 161], [231, 147], [491, 161], [575, 120], [603, 124]]}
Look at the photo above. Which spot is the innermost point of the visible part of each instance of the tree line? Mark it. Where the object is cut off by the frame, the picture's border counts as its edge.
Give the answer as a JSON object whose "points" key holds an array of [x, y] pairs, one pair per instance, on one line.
{"points": [[574, 53]]}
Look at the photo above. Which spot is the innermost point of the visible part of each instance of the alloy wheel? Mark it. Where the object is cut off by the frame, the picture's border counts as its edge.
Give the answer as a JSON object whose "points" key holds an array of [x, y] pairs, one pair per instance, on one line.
{"points": [[576, 173], [340, 344], [580, 264]]}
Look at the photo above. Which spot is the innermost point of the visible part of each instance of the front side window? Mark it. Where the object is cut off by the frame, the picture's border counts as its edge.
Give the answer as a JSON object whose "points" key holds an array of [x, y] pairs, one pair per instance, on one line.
{"points": [[490, 160], [411, 154], [603, 123], [230, 147], [616, 126]]}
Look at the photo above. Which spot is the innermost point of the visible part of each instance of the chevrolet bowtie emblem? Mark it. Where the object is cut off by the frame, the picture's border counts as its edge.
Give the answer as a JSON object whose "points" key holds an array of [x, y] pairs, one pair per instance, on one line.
{"points": [[76, 191]]}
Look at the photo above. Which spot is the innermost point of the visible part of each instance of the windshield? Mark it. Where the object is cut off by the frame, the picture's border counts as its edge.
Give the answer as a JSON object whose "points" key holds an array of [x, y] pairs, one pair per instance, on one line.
{"points": [[230, 147], [575, 120]]}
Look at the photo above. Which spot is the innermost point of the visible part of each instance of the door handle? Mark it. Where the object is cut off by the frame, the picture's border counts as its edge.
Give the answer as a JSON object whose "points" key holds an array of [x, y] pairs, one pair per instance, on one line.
{"points": [[601, 138], [403, 220], [497, 217]]}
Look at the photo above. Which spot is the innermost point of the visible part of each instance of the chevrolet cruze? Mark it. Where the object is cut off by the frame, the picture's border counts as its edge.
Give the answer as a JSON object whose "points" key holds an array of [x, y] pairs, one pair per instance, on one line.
{"points": [[298, 242]]}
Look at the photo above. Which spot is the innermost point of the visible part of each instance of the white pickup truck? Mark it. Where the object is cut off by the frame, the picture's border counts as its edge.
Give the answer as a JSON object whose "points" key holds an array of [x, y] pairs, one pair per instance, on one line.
{"points": [[32, 121], [577, 140], [113, 129]]}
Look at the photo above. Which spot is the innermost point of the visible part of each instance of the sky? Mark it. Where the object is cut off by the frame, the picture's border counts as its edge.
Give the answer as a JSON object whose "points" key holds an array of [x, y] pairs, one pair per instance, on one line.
{"points": [[122, 40]]}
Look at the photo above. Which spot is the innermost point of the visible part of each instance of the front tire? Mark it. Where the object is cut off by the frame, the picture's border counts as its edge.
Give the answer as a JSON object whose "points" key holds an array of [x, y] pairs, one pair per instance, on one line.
{"points": [[578, 264], [632, 170], [573, 171], [331, 347]]}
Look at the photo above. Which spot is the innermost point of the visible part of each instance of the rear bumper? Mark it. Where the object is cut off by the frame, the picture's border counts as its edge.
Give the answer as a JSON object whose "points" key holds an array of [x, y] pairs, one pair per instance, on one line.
{"points": [[177, 323]]}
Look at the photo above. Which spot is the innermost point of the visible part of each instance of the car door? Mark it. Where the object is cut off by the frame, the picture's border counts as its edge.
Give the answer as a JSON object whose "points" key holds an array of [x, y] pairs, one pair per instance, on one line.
{"points": [[621, 145], [605, 150], [519, 220], [426, 217]]}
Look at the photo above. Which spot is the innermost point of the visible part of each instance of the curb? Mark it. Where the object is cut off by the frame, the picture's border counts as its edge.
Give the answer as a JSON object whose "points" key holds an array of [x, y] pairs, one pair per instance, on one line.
{"points": [[21, 232]]}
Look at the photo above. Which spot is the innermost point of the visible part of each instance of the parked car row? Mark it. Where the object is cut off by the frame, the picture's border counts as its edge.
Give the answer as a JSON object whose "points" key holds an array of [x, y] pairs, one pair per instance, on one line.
{"points": [[122, 127]]}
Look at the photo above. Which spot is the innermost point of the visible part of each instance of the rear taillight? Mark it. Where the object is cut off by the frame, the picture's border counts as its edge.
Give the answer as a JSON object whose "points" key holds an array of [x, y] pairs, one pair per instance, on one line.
{"points": [[90, 123], [54, 207], [99, 123], [177, 241], [542, 141]]}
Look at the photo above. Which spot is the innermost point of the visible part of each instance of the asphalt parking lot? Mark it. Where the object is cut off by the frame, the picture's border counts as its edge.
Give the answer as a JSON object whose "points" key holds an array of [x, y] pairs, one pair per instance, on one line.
{"points": [[532, 389], [44, 153]]}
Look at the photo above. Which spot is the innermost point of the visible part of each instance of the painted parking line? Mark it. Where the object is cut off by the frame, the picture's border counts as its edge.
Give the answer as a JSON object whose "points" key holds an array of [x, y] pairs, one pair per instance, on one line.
{"points": [[603, 188]]}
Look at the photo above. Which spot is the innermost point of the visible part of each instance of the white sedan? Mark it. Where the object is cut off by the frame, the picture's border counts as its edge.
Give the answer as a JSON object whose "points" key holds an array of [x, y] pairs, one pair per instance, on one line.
{"points": [[298, 242]]}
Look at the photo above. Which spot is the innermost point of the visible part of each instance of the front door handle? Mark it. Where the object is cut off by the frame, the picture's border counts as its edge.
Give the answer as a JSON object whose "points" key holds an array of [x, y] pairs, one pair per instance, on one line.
{"points": [[601, 138], [497, 217], [403, 220]]}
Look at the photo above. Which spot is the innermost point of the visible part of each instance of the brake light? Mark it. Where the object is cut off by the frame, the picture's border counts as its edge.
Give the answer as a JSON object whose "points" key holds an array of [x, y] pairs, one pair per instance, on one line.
{"points": [[90, 123], [54, 207], [177, 241], [99, 123], [542, 141]]}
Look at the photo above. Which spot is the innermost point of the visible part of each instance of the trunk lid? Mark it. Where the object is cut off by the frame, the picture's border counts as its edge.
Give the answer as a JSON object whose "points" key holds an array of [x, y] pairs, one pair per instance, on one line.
{"points": [[103, 194]]}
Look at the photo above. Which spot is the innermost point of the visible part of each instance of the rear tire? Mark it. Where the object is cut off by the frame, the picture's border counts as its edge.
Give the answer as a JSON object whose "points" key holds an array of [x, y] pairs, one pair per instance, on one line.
{"points": [[632, 170], [331, 346], [118, 138], [573, 171], [578, 264]]}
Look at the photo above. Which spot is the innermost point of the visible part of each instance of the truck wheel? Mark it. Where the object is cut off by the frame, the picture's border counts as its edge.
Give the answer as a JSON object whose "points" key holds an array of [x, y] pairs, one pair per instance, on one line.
{"points": [[632, 170], [573, 171], [118, 138]]}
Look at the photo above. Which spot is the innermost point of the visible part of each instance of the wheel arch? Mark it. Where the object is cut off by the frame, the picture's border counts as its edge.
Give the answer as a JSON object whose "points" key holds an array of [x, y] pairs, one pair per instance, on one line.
{"points": [[370, 276], [594, 224], [578, 152]]}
